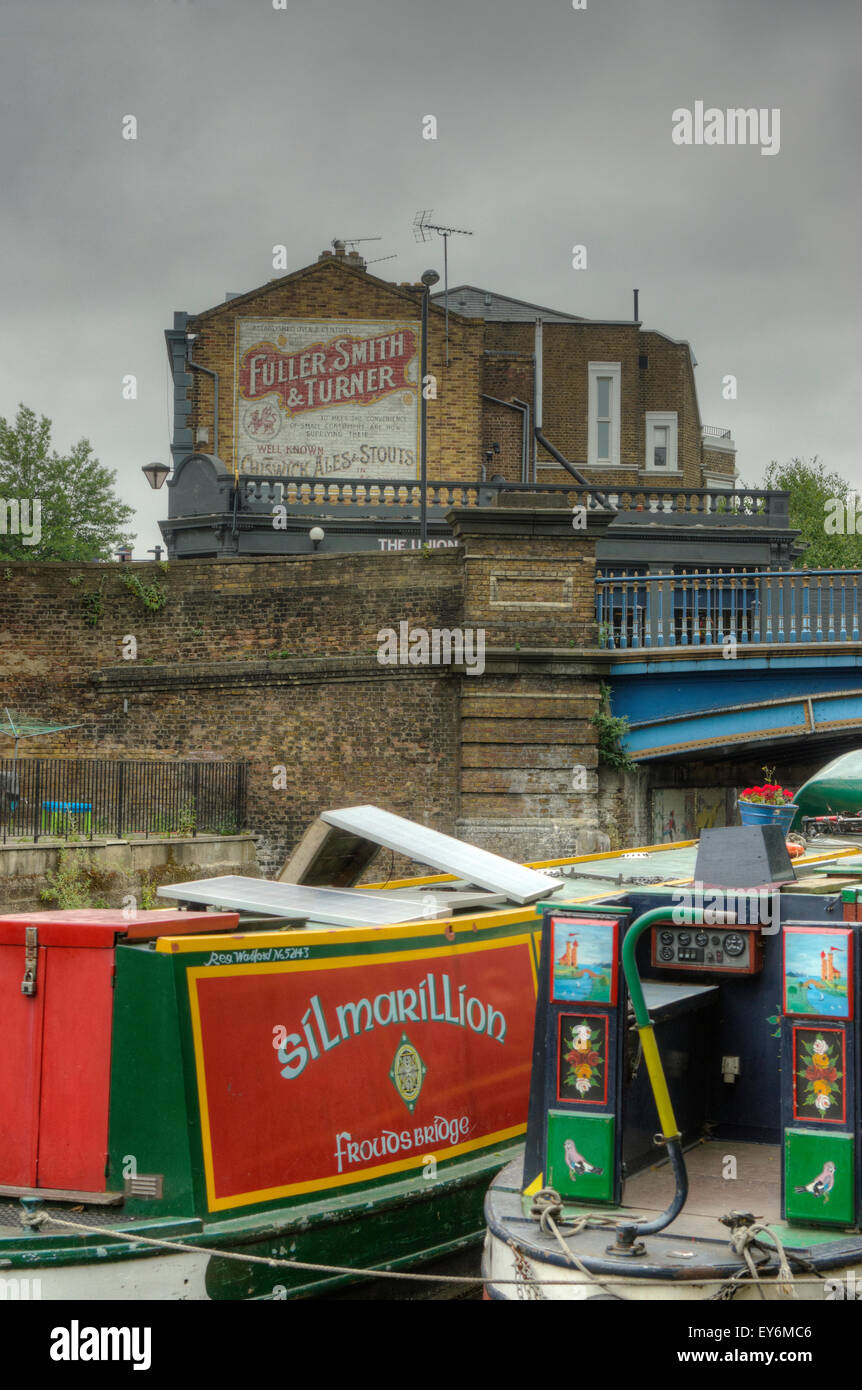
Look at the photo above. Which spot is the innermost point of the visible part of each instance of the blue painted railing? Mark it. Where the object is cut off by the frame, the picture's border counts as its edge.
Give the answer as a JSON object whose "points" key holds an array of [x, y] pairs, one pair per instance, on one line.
{"points": [[710, 609]]}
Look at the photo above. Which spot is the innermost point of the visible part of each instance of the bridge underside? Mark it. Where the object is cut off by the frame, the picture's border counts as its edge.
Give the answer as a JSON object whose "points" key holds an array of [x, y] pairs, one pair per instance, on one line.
{"points": [[711, 708]]}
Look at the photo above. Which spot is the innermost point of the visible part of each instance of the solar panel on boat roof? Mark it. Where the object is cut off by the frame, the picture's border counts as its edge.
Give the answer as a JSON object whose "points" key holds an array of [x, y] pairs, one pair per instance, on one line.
{"points": [[444, 853], [340, 907]]}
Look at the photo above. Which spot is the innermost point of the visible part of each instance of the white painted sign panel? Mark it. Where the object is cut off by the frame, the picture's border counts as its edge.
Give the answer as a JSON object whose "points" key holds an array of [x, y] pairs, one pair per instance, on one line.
{"points": [[327, 398]]}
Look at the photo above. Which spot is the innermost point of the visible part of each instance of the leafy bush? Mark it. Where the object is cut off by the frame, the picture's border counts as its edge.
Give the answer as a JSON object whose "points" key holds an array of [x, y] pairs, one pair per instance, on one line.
{"points": [[612, 730]]}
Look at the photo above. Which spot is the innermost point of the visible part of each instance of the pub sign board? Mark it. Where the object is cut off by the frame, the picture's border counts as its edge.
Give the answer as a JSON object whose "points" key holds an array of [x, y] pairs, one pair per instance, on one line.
{"points": [[327, 398]]}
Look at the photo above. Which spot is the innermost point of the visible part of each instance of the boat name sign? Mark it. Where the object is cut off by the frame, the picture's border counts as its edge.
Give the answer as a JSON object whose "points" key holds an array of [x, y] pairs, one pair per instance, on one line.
{"points": [[396, 1006]]}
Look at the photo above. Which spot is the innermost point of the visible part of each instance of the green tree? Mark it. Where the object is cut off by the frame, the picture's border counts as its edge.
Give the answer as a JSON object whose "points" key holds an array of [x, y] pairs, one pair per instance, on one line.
{"points": [[814, 495], [80, 516]]}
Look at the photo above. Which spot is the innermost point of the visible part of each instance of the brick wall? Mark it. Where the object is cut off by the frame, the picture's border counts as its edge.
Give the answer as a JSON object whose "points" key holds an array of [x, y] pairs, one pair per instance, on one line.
{"points": [[204, 684], [275, 660]]}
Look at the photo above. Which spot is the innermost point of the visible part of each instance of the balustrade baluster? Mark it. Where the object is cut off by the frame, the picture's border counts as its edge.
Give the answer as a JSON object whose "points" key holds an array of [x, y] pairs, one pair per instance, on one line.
{"points": [[855, 608], [806, 614], [768, 611], [781, 597], [843, 633], [708, 632], [791, 637], [733, 632], [695, 612], [819, 634], [684, 625], [830, 634], [660, 641]]}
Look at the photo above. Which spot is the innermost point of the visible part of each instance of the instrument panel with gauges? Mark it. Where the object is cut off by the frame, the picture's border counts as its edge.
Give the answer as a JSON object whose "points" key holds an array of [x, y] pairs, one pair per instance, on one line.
{"points": [[725, 947]]}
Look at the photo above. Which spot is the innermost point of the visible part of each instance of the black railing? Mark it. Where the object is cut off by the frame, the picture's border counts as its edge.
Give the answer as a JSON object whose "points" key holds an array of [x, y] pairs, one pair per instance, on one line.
{"points": [[94, 798]]}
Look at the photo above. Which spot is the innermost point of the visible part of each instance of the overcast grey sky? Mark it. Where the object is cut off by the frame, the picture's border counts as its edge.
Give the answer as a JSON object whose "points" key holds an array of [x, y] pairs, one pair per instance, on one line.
{"points": [[259, 126]]}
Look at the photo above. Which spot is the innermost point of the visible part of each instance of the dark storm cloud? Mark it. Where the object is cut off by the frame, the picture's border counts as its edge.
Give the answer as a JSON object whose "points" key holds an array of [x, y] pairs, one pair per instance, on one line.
{"points": [[258, 127]]}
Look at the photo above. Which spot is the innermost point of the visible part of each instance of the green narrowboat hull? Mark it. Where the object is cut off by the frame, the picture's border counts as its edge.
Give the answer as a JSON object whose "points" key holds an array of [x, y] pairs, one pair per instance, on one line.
{"points": [[400, 1227], [834, 790]]}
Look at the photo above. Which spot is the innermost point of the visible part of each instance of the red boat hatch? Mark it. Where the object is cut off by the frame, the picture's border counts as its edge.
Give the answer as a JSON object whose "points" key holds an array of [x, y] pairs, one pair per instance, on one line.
{"points": [[56, 1003]]}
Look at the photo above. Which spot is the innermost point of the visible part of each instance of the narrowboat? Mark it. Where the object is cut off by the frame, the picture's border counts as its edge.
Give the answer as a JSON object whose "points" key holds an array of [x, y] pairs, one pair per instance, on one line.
{"points": [[694, 1115], [278, 1086], [255, 1094], [831, 800]]}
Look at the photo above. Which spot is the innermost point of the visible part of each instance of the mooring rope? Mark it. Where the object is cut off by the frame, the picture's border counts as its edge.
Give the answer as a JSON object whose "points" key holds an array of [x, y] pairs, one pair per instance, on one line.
{"points": [[741, 1280]]}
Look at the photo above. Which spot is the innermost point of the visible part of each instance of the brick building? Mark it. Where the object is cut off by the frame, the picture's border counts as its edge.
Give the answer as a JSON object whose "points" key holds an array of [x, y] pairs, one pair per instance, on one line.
{"points": [[297, 412]]}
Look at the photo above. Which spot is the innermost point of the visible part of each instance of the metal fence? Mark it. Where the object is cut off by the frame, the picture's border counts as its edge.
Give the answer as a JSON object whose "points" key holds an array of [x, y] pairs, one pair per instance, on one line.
{"points": [[705, 609], [94, 798]]}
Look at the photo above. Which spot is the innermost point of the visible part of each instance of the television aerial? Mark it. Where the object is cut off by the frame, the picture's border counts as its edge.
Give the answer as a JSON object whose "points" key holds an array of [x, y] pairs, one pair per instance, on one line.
{"points": [[422, 229]]}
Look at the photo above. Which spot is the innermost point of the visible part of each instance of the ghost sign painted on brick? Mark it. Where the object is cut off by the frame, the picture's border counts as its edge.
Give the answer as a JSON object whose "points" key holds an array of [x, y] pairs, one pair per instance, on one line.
{"points": [[327, 398]]}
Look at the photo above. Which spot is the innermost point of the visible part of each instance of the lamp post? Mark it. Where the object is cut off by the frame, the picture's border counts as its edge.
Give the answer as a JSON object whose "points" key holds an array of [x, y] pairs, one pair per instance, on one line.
{"points": [[155, 474], [429, 278]]}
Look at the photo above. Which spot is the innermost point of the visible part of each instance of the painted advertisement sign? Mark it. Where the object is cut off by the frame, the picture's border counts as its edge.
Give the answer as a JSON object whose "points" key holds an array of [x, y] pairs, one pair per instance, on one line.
{"points": [[349, 1068], [327, 398]]}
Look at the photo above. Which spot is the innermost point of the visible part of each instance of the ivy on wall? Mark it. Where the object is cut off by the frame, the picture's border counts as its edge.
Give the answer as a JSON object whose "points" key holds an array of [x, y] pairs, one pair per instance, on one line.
{"points": [[611, 732]]}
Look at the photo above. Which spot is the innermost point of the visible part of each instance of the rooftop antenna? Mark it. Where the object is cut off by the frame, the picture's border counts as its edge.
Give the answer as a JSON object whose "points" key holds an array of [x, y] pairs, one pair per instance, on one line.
{"points": [[378, 259], [352, 241], [422, 229]]}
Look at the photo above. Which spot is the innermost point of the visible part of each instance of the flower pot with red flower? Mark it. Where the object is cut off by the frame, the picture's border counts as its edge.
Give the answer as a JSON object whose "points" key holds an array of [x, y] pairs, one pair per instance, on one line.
{"points": [[770, 804]]}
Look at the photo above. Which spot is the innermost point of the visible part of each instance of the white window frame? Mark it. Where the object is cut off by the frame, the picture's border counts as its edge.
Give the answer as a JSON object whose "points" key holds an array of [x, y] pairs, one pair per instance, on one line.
{"points": [[661, 419], [615, 372]]}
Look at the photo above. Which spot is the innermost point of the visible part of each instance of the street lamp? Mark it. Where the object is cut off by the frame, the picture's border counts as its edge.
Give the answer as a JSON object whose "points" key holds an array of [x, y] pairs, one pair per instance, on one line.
{"points": [[155, 474], [429, 278], [316, 535]]}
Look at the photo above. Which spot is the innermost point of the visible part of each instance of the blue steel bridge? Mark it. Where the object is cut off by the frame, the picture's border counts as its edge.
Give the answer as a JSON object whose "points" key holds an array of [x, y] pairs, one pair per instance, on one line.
{"points": [[717, 664]]}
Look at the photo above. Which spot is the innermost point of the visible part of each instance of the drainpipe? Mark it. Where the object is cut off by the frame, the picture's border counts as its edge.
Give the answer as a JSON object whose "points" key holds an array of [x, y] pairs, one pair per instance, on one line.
{"points": [[537, 392], [196, 366], [524, 411], [525, 440]]}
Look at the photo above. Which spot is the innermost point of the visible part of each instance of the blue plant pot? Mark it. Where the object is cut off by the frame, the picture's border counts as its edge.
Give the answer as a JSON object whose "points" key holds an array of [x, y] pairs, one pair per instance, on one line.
{"points": [[753, 813]]}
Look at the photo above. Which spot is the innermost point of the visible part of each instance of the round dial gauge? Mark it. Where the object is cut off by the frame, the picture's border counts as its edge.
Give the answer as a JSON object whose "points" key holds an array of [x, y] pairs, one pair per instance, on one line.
{"points": [[684, 938], [666, 937], [701, 939], [666, 953], [734, 944]]}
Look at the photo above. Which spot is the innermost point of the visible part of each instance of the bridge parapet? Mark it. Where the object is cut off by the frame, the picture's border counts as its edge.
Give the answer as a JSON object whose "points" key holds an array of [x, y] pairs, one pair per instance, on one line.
{"points": [[713, 608]]}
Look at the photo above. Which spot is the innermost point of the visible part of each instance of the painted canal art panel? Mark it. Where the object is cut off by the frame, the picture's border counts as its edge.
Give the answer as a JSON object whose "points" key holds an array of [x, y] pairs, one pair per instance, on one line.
{"points": [[818, 971], [584, 960], [349, 1068], [582, 1070], [818, 1177], [327, 398], [819, 1067], [581, 1155]]}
